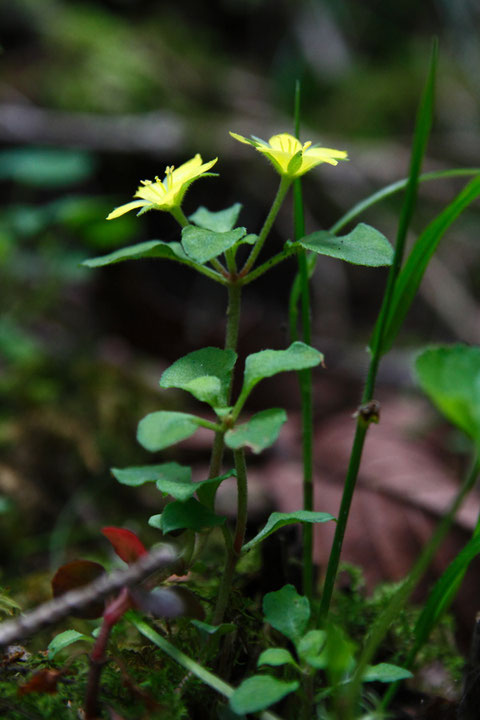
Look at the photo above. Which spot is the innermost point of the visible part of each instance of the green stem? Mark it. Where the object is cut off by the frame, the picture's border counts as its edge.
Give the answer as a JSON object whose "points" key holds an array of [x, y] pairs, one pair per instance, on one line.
{"points": [[208, 678], [219, 267], [233, 315], [285, 183], [242, 497], [233, 550], [179, 215], [334, 559], [402, 595], [275, 260], [306, 390], [231, 340]]}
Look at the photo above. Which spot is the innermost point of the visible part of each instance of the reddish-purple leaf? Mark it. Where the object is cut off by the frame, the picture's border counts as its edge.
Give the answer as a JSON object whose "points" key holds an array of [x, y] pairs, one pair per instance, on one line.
{"points": [[43, 681], [125, 543], [76, 574]]}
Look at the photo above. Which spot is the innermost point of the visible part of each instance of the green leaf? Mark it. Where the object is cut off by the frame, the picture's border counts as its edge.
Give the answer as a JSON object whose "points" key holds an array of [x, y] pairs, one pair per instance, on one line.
{"points": [[221, 221], [310, 647], [287, 611], [450, 375], [189, 515], [412, 272], [259, 692], [386, 673], [444, 591], [259, 432], [276, 657], [218, 630], [160, 429], [205, 373], [204, 245], [135, 476], [63, 640], [141, 251], [270, 362], [363, 246], [278, 520], [183, 488]]}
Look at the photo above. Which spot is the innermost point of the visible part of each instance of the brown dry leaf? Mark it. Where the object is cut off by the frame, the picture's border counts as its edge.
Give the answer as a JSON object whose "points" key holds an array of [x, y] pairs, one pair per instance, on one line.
{"points": [[43, 681], [403, 488]]}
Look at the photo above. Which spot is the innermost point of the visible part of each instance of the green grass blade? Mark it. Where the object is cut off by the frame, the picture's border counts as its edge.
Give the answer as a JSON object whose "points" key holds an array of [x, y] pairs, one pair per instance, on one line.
{"points": [[204, 675], [394, 188], [412, 273], [444, 592], [420, 138]]}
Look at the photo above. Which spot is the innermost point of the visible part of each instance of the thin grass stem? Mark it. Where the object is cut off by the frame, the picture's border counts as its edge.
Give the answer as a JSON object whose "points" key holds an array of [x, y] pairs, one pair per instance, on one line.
{"points": [[422, 131]]}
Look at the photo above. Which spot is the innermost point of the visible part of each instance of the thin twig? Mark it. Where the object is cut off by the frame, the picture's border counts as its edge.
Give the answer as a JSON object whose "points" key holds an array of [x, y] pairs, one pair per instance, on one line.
{"points": [[55, 610]]}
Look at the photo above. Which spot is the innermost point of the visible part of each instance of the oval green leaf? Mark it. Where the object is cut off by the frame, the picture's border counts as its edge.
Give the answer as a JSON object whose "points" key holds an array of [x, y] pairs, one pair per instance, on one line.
{"points": [[205, 373], [363, 246], [276, 657], [183, 489], [220, 221], [278, 520], [260, 692], [135, 476], [141, 251], [287, 611], [386, 673], [161, 429], [203, 245], [63, 640], [450, 376], [188, 515], [259, 432], [267, 363]]}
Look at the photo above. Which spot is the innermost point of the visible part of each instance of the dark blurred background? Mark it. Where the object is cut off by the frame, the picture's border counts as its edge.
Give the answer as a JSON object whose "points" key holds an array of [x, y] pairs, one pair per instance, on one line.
{"points": [[95, 96]]}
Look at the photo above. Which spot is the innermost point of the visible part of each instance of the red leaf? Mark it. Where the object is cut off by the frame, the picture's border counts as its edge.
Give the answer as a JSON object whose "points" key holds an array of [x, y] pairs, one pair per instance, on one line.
{"points": [[43, 681], [76, 574], [125, 543]]}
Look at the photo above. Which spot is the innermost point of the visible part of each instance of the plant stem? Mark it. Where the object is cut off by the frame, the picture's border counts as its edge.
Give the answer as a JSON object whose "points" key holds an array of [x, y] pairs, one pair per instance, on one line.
{"points": [[190, 665], [242, 497], [233, 314], [306, 391], [179, 216], [285, 183], [268, 264]]}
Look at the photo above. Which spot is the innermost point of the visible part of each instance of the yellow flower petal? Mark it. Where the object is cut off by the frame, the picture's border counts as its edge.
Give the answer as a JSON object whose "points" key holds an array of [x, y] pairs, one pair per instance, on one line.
{"points": [[167, 193], [282, 148], [126, 208]]}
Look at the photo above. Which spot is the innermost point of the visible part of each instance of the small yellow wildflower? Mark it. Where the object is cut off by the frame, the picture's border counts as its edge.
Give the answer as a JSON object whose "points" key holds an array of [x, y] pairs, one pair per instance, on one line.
{"points": [[166, 194], [289, 157]]}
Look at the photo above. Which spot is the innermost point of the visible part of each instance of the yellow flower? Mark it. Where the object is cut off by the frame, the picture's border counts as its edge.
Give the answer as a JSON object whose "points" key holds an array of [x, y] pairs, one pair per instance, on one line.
{"points": [[289, 157], [166, 194]]}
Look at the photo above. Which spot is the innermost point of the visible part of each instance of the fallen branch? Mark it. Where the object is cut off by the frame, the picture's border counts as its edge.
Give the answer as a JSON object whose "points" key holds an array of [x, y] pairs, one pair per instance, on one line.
{"points": [[51, 612]]}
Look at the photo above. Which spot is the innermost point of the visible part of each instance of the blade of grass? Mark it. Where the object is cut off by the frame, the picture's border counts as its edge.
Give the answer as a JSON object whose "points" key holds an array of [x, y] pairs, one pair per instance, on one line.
{"points": [[412, 272], [394, 188], [192, 666], [420, 138]]}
